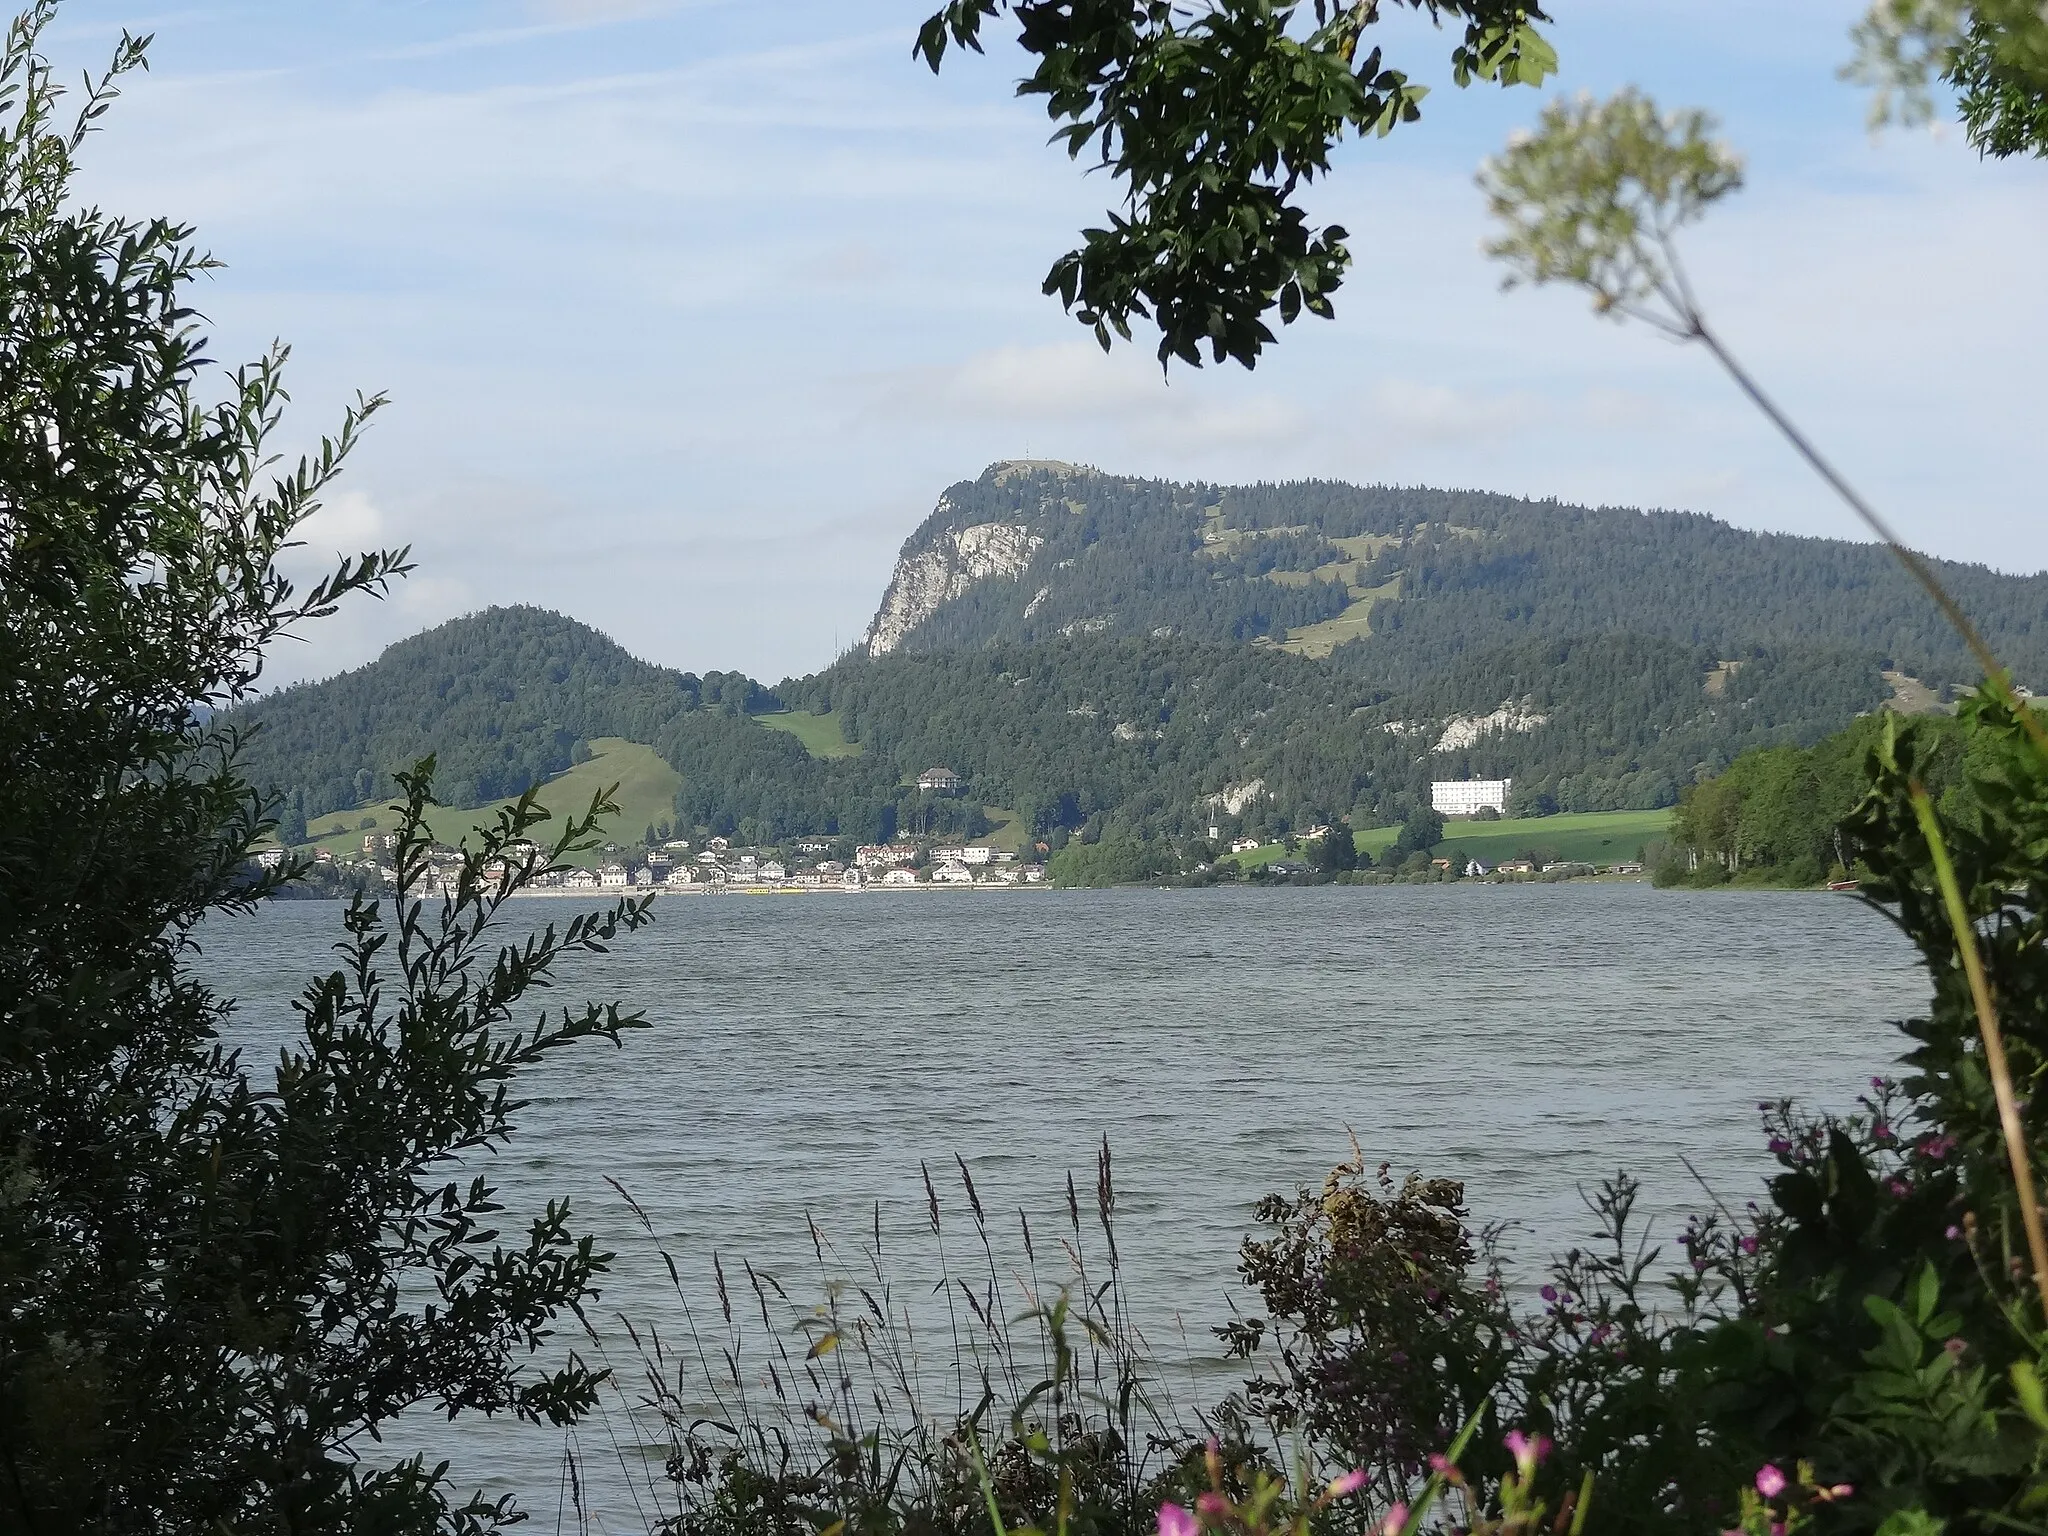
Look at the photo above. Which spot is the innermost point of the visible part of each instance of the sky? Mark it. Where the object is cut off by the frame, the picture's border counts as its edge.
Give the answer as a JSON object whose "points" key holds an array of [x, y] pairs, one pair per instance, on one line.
{"points": [[689, 311]]}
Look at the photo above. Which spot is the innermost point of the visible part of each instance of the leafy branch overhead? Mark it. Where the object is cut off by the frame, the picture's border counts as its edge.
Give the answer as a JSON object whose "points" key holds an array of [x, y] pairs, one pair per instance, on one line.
{"points": [[1213, 117], [1992, 53]]}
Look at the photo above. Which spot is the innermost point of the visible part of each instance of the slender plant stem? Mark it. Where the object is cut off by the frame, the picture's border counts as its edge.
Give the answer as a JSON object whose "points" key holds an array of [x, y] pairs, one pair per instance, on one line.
{"points": [[1994, 1042], [1915, 564]]}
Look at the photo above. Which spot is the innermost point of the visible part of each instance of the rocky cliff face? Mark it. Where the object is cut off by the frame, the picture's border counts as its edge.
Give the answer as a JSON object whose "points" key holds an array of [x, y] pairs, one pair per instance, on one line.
{"points": [[937, 567]]}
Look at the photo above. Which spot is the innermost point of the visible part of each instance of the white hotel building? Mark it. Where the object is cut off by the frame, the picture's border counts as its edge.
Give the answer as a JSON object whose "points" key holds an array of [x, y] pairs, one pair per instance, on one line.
{"points": [[1468, 797]]}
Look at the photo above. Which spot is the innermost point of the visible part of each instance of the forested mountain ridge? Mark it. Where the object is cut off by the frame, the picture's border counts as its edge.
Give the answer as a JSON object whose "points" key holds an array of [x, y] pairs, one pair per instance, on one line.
{"points": [[1398, 581], [1146, 737], [1099, 654]]}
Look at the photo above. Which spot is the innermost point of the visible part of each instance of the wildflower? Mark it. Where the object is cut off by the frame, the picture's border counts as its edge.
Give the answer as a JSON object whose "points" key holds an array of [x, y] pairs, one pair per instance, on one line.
{"points": [[1548, 1293], [1779, 1146], [1213, 1504], [1877, 1083], [1526, 1451], [1749, 1244], [1828, 1495], [1349, 1483], [1770, 1482], [1600, 1335], [1953, 1233], [1880, 1130], [1175, 1521], [1396, 1521], [1955, 1348], [1899, 1187]]}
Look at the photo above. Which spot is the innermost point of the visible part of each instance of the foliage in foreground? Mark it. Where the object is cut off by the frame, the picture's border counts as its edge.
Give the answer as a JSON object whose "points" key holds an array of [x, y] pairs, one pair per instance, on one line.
{"points": [[1861, 1349], [218, 1282]]}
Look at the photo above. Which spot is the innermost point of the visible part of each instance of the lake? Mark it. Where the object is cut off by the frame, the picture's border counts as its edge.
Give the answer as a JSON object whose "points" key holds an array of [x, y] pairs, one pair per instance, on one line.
{"points": [[807, 1053]]}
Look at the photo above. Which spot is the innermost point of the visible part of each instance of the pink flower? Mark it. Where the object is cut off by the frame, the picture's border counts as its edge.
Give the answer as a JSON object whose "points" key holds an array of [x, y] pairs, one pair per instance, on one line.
{"points": [[1526, 1451], [1780, 1146], [1175, 1521], [1749, 1244], [1213, 1504], [1349, 1483], [1770, 1482], [1396, 1521]]}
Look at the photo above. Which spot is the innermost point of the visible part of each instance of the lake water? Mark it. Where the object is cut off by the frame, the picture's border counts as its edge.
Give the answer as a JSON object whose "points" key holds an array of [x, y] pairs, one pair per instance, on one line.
{"points": [[808, 1053]]}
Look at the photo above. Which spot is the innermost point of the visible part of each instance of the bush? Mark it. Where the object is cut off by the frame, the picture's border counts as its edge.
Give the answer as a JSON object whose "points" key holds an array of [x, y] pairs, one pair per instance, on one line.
{"points": [[216, 1283]]}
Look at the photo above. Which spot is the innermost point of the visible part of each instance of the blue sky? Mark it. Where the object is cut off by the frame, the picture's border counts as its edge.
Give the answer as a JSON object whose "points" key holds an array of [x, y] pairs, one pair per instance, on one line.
{"points": [[690, 310]]}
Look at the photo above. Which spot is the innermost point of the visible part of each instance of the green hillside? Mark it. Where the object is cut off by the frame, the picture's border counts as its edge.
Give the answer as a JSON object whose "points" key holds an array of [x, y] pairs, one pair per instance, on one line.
{"points": [[1124, 657], [501, 698], [646, 797]]}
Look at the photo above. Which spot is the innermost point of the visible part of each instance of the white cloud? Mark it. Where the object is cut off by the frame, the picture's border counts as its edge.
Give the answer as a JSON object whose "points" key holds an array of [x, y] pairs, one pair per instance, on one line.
{"points": [[682, 330]]}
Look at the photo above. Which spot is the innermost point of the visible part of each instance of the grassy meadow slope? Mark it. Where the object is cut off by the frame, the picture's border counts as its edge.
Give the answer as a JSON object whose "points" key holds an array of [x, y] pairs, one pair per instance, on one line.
{"points": [[1595, 837], [646, 792]]}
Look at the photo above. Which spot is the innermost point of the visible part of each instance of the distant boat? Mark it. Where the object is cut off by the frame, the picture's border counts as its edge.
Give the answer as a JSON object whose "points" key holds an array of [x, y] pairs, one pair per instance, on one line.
{"points": [[1843, 885]]}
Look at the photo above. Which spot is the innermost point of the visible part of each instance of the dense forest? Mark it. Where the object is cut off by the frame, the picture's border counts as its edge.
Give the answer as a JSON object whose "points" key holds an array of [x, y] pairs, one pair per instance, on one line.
{"points": [[1438, 573], [1089, 735], [1771, 817], [501, 697]]}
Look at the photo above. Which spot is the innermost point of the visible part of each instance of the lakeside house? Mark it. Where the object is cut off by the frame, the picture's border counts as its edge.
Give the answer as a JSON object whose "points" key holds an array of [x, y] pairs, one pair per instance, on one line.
{"points": [[613, 875], [852, 879], [1474, 868], [952, 873], [1468, 797], [939, 781], [900, 877], [1244, 845], [773, 871]]}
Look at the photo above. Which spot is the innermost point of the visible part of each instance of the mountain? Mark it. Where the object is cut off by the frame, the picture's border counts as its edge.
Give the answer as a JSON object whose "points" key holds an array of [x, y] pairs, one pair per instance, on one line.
{"points": [[1397, 582], [1100, 655]]}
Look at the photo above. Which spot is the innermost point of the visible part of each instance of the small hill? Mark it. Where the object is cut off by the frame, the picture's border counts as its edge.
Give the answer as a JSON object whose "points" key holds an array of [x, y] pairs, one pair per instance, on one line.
{"points": [[501, 698], [1395, 582]]}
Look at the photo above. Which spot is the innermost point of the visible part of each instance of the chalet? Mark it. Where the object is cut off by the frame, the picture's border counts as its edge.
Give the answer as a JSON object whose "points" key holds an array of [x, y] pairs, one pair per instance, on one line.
{"points": [[773, 871], [613, 875], [645, 876], [681, 875], [1474, 868], [1515, 867], [900, 877], [939, 781], [952, 873], [581, 880], [1244, 845], [271, 858]]}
